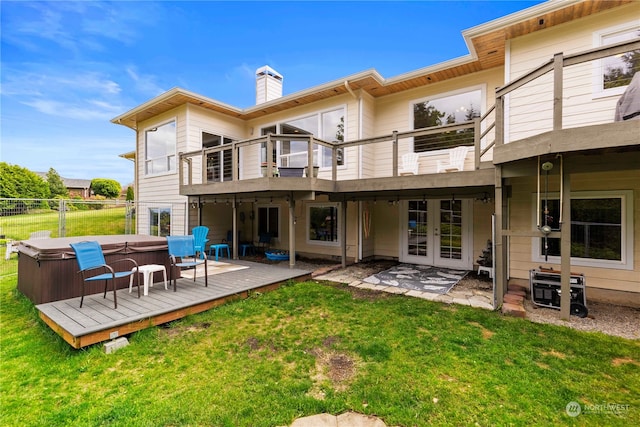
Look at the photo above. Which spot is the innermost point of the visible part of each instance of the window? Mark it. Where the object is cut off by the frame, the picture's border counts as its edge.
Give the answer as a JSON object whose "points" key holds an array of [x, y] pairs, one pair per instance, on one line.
{"points": [[269, 220], [160, 149], [600, 223], [219, 163], [445, 110], [160, 221], [323, 223], [613, 74], [328, 126]]}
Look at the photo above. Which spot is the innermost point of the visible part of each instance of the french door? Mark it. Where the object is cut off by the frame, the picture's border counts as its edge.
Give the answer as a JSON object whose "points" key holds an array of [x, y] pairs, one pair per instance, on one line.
{"points": [[436, 232]]}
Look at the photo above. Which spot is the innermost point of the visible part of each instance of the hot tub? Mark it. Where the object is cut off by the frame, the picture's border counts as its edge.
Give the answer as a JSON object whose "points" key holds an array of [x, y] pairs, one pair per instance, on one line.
{"points": [[48, 271]]}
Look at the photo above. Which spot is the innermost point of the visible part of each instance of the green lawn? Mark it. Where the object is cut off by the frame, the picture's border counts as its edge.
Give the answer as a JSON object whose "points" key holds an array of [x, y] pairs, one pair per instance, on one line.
{"points": [[77, 223], [309, 348]]}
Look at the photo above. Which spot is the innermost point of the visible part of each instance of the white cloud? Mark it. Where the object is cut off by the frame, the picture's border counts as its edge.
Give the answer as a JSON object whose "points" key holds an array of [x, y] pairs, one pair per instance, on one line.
{"points": [[91, 110], [145, 83]]}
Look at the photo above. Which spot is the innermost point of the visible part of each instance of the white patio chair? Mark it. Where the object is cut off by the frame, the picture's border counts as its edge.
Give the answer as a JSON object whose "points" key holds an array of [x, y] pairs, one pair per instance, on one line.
{"points": [[409, 164], [456, 160]]}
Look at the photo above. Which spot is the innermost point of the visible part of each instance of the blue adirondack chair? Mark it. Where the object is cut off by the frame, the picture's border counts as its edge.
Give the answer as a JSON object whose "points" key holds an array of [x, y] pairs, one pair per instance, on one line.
{"points": [[180, 249], [90, 257], [200, 234]]}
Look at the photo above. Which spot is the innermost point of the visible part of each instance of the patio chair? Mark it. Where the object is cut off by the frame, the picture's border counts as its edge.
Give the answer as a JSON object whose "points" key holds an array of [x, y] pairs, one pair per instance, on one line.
{"points": [[181, 247], [90, 257], [456, 160], [200, 234], [264, 241], [409, 164]]}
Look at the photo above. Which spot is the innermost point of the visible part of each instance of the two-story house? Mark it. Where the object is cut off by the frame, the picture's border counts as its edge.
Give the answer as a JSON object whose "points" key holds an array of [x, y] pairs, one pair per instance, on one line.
{"points": [[516, 142]]}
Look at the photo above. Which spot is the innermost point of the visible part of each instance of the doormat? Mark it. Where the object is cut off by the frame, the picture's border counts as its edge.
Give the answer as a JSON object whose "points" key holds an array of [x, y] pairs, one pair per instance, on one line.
{"points": [[418, 277]]}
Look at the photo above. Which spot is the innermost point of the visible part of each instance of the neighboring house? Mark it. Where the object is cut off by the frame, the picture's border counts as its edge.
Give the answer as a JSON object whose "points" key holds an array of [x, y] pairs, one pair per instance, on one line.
{"points": [[554, 106], [76, 187]]}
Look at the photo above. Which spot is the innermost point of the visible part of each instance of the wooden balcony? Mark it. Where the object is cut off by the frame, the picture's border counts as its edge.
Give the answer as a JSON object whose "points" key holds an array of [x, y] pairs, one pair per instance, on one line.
{"points": [[545, 116], [250, 172]]}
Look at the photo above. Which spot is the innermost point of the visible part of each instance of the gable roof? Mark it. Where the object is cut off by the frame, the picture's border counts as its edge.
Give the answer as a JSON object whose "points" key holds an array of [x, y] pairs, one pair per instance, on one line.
{"points": [[69, 182], [486, 44]]}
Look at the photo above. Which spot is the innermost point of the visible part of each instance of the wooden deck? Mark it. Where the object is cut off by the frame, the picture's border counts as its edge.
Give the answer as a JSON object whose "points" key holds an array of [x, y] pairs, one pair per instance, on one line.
{"points": [[98, 321]]}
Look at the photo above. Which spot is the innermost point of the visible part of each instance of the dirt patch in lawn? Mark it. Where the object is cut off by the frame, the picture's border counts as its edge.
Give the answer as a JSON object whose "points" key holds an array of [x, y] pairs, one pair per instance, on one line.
{"points": [[333, 369]]}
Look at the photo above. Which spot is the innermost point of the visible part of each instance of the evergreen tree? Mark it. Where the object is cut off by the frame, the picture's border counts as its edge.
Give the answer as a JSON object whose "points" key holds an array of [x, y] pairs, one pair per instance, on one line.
{"points": [[130, 195], [56, 186]]}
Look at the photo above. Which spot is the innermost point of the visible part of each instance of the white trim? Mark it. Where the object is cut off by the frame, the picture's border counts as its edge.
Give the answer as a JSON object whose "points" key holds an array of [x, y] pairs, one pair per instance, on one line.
{"points": [[597, 66], [145, 175], [337, 206], [318, 114], [159, 207], [482, 87], [433, 246], [626, 263]]}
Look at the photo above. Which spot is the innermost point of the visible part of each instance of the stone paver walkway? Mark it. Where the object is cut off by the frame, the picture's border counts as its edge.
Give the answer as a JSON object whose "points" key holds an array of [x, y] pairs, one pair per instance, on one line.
{"points": [[471, 297]]}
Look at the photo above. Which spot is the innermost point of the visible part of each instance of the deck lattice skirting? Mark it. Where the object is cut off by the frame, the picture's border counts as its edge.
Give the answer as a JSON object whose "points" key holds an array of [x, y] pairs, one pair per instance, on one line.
{"points": [[98, 321]]}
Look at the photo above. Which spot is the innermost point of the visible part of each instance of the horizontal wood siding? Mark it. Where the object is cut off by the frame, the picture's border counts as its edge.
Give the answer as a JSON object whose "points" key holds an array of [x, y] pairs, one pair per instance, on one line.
{"points": [[162, 190], [385, 229], [368, 131], [522, 206], [530, 108]]}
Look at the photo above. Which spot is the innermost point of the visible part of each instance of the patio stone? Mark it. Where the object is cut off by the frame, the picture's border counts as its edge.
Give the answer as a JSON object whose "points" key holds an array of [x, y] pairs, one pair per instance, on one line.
{"points": [[395, 290], [480, 303], [444, 298], [461, 301], [320, 420], [429, 296]]}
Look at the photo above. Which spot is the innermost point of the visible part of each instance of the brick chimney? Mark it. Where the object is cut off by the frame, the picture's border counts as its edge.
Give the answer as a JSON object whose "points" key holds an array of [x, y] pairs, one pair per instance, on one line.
{"points": [[268, 84]]}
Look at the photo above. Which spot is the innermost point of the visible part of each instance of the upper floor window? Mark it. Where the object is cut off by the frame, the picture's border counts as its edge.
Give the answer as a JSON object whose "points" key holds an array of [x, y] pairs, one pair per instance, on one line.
{"points": [[615, 72], [328, 126], [160, 149], [219, 163], [445, 110]]}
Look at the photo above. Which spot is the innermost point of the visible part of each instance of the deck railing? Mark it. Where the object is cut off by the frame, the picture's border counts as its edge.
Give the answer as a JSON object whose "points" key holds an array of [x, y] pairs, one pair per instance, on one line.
{"points": [[560, 94], [260, 158], [556, 95]]}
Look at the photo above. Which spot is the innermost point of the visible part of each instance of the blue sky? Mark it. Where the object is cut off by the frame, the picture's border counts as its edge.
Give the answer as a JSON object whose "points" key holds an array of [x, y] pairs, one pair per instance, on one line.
{"points": [[68, 68]]}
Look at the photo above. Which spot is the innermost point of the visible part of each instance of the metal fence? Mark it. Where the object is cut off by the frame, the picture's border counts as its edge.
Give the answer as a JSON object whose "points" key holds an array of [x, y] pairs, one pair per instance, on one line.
{"points": [[24, 218]]}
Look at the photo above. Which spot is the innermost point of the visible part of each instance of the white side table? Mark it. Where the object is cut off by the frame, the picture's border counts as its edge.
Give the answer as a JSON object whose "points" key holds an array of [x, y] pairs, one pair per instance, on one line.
{"points": [[147, 272], [488, 270]]}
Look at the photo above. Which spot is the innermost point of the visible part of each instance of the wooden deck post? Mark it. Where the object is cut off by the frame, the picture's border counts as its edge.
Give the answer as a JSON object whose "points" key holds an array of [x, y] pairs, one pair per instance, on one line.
{"points": [[234, 228], [476, 142], [310, 158], [395, 153], [292, 231], [558, 63], [343, 232], [499, 247], [565, 247], [269, 156]]}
